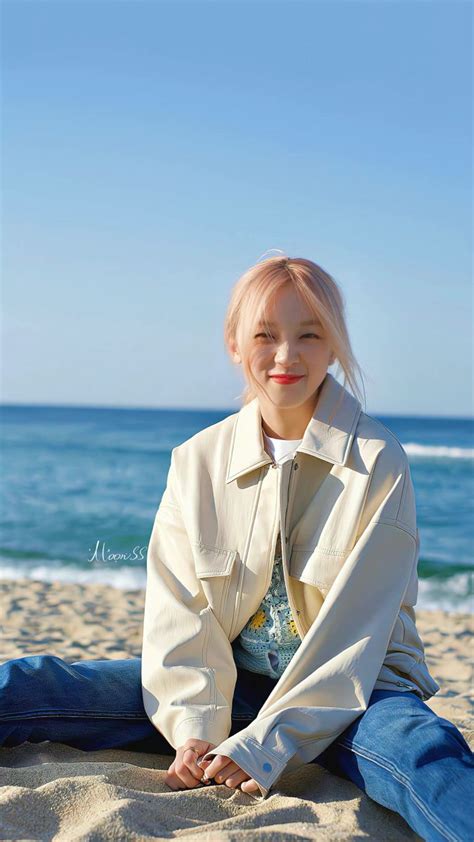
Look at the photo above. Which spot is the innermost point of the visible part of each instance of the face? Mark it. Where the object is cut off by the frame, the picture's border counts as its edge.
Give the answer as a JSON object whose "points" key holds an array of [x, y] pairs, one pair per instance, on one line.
{"points": [[294, 344]]}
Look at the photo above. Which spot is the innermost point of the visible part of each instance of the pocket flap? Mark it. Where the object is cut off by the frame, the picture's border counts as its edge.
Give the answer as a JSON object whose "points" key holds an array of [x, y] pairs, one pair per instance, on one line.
{"points": [[316, 566], [211, 561]]}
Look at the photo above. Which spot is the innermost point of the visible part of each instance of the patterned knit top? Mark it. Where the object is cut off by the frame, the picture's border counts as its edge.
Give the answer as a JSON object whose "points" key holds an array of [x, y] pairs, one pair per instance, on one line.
{"points": [[270, 638]]}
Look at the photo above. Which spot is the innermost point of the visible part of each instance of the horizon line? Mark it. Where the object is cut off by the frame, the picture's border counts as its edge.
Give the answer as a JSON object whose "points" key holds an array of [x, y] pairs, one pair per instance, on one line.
{"points": [[229, 410]]}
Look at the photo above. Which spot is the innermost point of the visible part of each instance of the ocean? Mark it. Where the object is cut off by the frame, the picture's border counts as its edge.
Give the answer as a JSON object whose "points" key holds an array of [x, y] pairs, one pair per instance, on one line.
{"points": [[80, 487]]}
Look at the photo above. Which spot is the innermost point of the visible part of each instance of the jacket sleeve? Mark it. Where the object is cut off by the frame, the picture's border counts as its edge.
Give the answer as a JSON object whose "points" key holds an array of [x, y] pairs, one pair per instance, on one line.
{"points": [[404, 662], [188, 671], [329, 681]]}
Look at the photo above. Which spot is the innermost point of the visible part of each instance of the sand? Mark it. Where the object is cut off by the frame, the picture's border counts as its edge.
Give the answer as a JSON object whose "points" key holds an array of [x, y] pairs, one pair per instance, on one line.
{"points": [[54, 791]]}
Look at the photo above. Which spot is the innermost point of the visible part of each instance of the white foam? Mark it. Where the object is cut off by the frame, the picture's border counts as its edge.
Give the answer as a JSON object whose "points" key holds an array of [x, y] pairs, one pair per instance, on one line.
{"points": [[452, 595], [438, 452], [124, 578]]}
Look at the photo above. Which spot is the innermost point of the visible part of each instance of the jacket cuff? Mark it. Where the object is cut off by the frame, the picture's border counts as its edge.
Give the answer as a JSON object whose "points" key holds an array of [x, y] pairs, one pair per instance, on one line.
{"points": [[198, 728], [261, 764]]}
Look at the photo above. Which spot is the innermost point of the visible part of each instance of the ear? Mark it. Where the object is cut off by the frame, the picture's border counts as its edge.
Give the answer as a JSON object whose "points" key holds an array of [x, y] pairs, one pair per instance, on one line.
{"points": [[234, 351], [332, 358]]}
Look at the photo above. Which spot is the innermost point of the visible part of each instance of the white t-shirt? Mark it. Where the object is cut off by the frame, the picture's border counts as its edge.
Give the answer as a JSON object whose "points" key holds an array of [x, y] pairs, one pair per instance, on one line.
{"points": [[281, 449]]}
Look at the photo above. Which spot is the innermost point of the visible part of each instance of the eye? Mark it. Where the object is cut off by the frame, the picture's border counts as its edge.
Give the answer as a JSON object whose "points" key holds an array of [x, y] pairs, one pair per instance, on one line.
{"points": [[269, 336]]}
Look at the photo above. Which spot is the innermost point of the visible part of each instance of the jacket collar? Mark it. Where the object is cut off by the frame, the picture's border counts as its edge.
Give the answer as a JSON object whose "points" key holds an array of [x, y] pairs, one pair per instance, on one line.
{"points": [[331, 442]]}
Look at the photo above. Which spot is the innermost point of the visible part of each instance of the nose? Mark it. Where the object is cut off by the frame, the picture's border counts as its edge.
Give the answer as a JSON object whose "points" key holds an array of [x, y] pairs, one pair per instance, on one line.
{"points": [[285, 353]]}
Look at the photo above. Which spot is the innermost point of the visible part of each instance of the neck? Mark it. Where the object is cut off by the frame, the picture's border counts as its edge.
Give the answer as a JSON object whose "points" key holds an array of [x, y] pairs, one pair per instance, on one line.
{"points": [[291, 423]]}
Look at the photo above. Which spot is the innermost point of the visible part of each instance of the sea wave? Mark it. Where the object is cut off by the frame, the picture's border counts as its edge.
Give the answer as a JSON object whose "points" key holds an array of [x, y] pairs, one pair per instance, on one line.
{"points": [[452, 594], [123, 578], [437, 451]]}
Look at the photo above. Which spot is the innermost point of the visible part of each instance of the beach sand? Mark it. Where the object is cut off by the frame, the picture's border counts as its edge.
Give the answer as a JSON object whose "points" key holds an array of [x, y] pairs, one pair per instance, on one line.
{"points": [[54, 791]]}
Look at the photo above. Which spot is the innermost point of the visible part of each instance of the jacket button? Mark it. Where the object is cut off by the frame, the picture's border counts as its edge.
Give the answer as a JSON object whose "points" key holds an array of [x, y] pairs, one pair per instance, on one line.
{"points": [[295, 467], [267, 767]]}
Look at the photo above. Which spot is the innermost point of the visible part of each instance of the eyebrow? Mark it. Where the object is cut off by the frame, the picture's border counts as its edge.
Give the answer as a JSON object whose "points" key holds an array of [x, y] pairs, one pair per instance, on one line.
{"points": [[307, 322]]}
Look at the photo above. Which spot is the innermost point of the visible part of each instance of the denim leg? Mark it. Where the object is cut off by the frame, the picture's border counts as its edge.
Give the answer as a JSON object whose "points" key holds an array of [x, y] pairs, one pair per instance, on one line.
{"points": [[96, 704], [409, 759], [90, 704], [251, 691]]}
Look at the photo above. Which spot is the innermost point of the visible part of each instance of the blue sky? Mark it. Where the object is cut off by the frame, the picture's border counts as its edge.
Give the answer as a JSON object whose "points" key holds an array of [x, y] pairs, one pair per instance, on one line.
{"points": [[153, 151]]}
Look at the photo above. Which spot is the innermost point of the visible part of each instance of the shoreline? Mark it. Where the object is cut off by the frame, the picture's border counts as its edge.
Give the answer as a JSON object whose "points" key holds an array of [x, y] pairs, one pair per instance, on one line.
{"points": [[94, 621], [452, 595]]}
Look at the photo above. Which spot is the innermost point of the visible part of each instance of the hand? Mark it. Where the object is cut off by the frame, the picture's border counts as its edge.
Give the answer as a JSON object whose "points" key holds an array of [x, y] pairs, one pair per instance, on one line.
{"points": [[184, 772], [224, 770]]}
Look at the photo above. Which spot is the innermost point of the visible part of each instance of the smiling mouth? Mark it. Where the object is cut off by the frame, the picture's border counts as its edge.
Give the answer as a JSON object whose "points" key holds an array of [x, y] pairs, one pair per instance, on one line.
{"points": [[286, 378]]}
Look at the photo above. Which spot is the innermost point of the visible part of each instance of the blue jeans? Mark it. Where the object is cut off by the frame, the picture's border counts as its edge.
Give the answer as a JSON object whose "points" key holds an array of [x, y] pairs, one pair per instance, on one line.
{"points": [[399, 752]]}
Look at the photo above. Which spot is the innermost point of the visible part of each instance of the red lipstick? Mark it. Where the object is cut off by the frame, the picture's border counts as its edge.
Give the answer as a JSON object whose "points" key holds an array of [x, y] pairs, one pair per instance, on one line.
{"points": [[286, 378]]}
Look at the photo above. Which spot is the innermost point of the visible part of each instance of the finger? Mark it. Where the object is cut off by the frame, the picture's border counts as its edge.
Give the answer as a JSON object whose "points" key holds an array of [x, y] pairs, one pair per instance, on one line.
{"points": [[223, 772], [182, 780], [218, 763], [191, 760], [173, 781], [226, 772], [250, 786], [184, 770], [170, 774], [203, 764], [236, 778]]}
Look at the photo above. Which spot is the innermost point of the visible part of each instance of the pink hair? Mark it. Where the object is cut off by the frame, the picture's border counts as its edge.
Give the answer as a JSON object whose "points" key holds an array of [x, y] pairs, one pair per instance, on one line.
{"points": [[252, 294]]}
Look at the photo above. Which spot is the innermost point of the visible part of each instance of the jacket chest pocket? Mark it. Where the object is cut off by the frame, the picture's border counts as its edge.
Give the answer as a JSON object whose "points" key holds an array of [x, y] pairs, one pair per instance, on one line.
{"points": [[214, 568], [316, 566]]}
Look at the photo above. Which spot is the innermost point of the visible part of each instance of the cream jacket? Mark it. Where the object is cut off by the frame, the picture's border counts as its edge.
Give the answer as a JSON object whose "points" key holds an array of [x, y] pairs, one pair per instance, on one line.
{"points": [[345, 506]]}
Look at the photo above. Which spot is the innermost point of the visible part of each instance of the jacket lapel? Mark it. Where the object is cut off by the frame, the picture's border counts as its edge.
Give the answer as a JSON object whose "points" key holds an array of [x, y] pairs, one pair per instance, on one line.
{"points": [[329, 441]]}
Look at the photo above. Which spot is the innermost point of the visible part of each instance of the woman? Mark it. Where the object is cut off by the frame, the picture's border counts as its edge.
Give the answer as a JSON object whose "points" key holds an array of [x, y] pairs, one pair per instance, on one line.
{"points": [[279, 625]]}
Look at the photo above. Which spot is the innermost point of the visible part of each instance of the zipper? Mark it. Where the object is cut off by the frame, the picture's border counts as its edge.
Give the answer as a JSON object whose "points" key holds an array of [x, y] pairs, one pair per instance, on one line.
{"points": [[295, 612], [288, 498], [276, 528], [238, 597]]}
